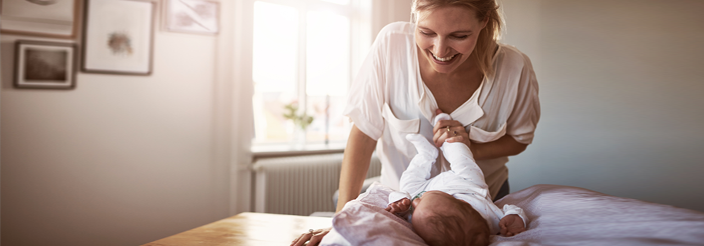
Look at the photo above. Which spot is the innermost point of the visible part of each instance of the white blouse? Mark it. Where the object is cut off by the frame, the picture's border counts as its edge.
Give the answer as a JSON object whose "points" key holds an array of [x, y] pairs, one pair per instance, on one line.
{"points": [[388, 100]]}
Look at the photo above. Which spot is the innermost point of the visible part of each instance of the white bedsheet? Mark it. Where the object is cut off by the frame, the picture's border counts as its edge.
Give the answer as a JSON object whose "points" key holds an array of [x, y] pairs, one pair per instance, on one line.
{"points": [[559, 215]]}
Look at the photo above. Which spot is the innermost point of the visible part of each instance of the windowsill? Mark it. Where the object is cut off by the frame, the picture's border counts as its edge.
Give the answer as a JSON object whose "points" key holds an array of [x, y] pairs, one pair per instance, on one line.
{"points": [[295, 150]]}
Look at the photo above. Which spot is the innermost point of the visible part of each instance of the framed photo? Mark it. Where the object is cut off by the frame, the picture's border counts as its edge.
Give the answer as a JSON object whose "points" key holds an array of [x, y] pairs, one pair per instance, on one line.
{"points": [[45, 65], [117, 37], [192, 16], [48, 18]]}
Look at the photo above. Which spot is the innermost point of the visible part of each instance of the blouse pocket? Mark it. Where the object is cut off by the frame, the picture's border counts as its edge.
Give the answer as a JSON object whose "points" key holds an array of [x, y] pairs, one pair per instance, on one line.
{"points": [[479, 135], [402, 126]]}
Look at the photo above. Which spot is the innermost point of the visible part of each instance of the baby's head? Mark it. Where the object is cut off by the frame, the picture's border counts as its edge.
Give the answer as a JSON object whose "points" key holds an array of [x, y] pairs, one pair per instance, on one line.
{"points": [[441, 219]]}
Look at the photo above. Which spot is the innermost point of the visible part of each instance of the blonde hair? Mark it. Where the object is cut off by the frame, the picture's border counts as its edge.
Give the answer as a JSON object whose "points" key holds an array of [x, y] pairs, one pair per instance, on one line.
{"points": [[488, 37]]}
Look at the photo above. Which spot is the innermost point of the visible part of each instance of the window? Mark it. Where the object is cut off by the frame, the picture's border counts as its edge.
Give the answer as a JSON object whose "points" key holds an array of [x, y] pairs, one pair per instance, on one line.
{"points": [[304, 53]]}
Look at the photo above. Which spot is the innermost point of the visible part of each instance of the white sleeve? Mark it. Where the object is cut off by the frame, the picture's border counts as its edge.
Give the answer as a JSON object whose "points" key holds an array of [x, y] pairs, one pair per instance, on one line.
{"points": [[526, 111], [365, 100], [513, 209]]}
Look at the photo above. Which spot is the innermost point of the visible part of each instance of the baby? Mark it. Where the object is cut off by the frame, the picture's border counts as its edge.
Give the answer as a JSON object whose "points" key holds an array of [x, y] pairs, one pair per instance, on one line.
{"points": [[454, 207]]}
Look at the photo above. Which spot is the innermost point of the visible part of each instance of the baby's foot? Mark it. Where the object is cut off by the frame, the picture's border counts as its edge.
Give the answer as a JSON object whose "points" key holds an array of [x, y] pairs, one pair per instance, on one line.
{"points": [[423, 146], [441, 116]]}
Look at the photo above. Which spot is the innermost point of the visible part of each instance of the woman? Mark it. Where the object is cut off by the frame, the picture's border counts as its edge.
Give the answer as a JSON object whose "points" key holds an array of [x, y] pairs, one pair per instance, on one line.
{"points": [[446, 60]]}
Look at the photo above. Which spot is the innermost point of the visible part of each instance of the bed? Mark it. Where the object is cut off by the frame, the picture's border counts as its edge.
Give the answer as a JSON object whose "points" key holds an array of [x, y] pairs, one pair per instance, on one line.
{"points": [[559, 215]]}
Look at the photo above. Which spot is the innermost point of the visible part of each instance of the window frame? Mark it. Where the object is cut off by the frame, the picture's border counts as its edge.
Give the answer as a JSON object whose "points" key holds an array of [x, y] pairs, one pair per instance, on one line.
{"points": [[359, 13]]}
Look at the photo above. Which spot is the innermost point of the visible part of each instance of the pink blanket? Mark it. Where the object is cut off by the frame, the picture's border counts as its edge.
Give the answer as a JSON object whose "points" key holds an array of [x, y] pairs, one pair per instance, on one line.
{"points": [[559, 215]]}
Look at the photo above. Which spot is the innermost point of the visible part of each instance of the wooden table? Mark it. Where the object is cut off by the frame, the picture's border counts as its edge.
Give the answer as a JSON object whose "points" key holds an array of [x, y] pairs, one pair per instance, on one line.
{"points": [[247, 229]]}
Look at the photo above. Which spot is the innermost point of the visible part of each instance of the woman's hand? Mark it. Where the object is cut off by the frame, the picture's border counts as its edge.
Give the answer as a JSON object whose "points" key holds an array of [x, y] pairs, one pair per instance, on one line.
{"points": [[313, 237], [449, 130]]}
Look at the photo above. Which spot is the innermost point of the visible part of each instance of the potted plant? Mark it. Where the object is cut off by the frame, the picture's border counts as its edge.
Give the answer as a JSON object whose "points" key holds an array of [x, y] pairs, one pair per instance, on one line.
{"points": [[300, 122]]}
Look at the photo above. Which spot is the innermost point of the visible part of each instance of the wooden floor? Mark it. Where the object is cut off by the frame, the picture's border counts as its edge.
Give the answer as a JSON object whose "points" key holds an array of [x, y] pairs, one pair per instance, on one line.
{"points": [[247, 229]]}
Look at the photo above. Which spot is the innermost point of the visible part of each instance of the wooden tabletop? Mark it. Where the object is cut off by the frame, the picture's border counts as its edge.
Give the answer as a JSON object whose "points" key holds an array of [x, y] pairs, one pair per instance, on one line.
{"points": [[247, 229]]}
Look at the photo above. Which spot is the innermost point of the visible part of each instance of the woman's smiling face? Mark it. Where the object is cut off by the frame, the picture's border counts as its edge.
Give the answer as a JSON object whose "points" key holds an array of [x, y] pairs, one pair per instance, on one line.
{"points": [[446, 36]]}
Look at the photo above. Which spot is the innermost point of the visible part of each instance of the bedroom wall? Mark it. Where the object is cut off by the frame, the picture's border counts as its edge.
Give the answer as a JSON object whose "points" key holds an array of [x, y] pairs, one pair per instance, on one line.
{"points": [[126, 160], [120, 160], [621, 95], [388, 11]]}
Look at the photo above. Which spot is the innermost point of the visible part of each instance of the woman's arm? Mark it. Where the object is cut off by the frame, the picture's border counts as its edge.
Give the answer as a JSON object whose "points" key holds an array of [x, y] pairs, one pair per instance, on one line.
{"points": [[355, 164], [504, 146]]}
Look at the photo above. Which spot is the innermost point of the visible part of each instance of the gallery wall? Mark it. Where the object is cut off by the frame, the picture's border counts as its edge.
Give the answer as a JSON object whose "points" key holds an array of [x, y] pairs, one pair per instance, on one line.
{"points": [[126, 160], [120, 159]]}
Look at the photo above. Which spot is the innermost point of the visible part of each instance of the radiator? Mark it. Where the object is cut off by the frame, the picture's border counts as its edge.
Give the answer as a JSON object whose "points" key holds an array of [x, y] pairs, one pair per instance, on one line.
{"points": [[299, 185]]}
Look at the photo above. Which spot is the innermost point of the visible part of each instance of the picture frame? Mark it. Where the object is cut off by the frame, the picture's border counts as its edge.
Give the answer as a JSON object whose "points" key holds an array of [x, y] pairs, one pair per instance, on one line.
{"points": [[192, 16], [45, 65], [118, 37], [44, 18]]}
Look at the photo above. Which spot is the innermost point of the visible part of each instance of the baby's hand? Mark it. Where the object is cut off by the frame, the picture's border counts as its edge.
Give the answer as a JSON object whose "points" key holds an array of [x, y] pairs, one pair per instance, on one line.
{"points": [[399, 207], [511, 225]]}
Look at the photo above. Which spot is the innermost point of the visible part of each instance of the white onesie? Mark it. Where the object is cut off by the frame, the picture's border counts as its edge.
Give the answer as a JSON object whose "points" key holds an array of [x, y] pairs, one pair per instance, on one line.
{"points": [[465, 180]]}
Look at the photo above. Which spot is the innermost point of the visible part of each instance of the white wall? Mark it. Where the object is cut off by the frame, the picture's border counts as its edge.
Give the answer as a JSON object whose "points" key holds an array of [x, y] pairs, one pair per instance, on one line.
{"points": [[388, 11], [120, 160], [621, 93]]}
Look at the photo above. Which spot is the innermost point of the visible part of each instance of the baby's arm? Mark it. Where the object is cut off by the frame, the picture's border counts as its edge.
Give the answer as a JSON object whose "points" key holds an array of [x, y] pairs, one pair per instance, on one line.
{"points": [[511, 225], [513, 222]]}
